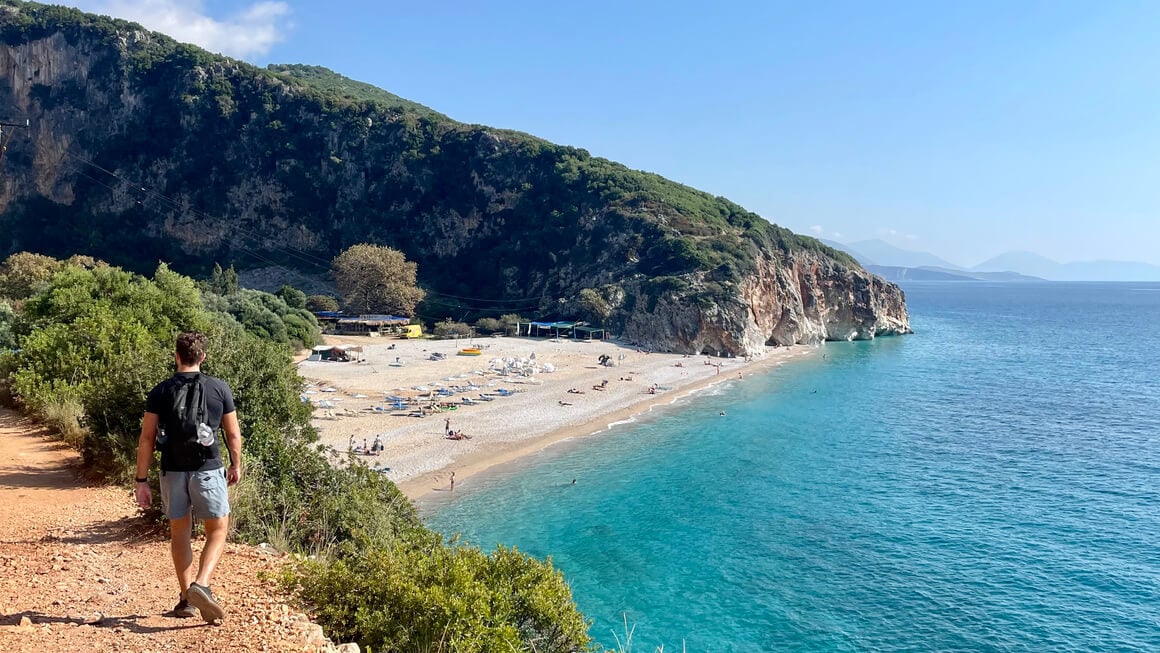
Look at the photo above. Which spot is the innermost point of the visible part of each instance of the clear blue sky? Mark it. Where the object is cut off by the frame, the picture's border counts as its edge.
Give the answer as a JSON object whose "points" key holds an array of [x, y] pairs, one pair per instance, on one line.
{"points": [[965, 129]]}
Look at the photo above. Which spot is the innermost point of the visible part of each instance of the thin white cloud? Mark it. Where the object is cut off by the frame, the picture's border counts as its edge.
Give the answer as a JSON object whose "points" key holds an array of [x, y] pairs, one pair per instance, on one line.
{"points": [[837, 234], [252, 30], [911, 236], [817, 230]]}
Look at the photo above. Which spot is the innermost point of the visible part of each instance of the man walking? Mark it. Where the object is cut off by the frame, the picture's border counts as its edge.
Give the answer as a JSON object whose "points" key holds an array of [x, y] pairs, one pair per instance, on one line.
{"points": [[182, 417]]}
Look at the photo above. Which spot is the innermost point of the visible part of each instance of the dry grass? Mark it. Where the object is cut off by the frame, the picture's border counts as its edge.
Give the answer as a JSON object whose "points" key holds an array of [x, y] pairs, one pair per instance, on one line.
{"points": [[64, 417]]}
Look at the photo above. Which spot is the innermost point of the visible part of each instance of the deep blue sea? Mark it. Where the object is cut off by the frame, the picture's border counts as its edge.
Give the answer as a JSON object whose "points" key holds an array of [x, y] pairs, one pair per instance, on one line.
{"points": [[990, 483]]}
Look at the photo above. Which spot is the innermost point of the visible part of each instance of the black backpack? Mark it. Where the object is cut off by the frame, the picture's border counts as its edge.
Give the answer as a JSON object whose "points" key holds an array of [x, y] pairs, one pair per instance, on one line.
{"points": [[178, 441]]}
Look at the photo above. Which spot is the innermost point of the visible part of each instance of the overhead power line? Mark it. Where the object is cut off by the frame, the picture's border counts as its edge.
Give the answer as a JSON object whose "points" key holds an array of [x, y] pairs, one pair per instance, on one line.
{"points": [[302, 256]]}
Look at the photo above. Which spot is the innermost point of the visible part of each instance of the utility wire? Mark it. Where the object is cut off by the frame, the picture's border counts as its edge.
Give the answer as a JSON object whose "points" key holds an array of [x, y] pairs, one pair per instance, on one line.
{"points": [[514, 305]]}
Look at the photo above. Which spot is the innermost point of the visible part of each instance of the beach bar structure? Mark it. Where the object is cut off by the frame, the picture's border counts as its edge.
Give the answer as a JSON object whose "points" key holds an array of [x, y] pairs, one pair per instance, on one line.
{"points": [[361, 325], [579, 330]]}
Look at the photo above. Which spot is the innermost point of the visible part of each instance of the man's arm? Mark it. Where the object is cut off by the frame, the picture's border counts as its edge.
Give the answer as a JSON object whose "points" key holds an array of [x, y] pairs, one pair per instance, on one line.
{"points": [[234, 444], [145, 443]]}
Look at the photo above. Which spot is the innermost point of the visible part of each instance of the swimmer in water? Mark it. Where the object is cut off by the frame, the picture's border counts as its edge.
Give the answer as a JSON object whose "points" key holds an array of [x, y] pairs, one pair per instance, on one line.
{"points": [[722, 413]]}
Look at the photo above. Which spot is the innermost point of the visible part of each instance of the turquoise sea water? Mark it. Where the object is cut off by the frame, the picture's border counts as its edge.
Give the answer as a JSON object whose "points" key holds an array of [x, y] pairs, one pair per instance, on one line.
{"points": [[991, 483]]}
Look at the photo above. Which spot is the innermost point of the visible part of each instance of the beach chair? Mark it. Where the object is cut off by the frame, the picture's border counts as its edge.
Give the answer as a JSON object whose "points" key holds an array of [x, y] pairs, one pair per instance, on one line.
{"points": [[504, 392], [486, 397]]}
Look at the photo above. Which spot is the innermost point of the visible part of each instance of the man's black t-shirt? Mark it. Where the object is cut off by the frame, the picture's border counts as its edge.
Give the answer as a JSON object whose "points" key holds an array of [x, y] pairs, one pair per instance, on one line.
{"points": [[218, 401]]}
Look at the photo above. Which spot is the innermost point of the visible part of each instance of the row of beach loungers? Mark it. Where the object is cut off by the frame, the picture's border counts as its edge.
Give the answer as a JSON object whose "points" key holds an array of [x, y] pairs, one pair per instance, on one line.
{"points": [[396, 403]]}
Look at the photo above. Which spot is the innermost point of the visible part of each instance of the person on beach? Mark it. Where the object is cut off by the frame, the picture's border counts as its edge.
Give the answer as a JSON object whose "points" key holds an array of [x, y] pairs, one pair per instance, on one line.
{"points": [[378, 445], [193, 483], [452, 481], [447, 426]]}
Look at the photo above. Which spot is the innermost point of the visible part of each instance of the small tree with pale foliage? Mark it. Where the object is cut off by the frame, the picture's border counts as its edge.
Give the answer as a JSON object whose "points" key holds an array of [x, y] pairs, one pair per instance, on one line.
{"points": [[376, 279], [25, 273]]}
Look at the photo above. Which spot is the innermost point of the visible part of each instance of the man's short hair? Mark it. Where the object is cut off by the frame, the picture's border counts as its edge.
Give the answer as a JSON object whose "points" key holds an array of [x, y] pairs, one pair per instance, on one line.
{"points": [[191, 347]]}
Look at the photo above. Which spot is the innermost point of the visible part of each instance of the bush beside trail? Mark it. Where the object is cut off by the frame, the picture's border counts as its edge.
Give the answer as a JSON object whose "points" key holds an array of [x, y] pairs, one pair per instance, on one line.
{"points": [[91, 340]]}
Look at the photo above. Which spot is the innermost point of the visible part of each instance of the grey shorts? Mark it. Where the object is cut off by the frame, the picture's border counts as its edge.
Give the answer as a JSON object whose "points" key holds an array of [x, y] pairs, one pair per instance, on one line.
{"points": [[203, 492]]}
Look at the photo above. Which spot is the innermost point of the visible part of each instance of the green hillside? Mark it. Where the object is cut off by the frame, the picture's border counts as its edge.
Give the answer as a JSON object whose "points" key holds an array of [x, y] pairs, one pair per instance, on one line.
{"points": [[176, 154]]}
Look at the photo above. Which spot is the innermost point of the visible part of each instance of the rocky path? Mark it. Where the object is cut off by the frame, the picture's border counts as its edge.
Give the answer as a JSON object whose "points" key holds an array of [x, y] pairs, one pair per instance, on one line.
{"points": [[80, 570]]}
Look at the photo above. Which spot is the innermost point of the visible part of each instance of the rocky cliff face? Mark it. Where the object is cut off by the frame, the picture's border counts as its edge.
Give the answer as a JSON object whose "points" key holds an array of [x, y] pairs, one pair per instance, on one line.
{"points": [[142, 149], [802, 298]]}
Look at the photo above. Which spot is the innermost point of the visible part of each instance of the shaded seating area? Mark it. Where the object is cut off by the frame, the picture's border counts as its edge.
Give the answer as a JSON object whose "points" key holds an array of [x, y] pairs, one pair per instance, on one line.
{"points": [[588, 333], [560, 329]]}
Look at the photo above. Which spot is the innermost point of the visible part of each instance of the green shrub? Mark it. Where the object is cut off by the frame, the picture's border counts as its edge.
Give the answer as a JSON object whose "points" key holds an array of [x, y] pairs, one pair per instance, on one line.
{"points": [[293, 297], [268, 316], [100, 338], [510, 320], [452, 329], [107, 364], [425, 595], [489, 325], [7, 326]]}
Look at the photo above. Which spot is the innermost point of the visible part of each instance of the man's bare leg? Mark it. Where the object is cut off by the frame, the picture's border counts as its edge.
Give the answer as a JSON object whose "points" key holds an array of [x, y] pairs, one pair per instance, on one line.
{"points": [[215, 542], [180, 533]]}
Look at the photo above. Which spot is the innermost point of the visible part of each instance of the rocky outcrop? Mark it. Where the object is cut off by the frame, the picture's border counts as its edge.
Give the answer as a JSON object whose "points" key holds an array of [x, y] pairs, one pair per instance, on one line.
{"points": [[140, 149], [802, 298]]}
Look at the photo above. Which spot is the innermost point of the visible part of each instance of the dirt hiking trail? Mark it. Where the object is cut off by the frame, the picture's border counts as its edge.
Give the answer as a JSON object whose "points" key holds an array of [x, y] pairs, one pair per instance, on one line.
{"points": [[80, 570]]}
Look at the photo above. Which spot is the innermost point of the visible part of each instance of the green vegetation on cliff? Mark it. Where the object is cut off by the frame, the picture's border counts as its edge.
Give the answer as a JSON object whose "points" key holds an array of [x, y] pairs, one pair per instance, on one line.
{"points": [[92, 340], [191, 158], [330, 82]]}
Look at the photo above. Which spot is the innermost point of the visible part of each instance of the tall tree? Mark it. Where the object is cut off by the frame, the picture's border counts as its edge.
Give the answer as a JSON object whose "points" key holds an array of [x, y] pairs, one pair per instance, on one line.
{"points": [[224, 282], [376, 279]]}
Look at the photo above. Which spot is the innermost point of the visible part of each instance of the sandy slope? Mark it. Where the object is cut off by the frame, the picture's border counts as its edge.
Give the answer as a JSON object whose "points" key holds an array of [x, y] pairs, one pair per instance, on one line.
{"points": [[78, 570]]}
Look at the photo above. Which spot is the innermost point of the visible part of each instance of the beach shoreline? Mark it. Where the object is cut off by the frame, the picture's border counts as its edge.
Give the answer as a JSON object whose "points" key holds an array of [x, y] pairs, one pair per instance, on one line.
{"points": [[577, 399]]}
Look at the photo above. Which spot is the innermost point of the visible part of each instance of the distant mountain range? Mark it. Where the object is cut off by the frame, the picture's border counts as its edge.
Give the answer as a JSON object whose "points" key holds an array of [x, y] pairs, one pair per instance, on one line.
{"points": [[1034, 264], [931, 273], [897, 264]]}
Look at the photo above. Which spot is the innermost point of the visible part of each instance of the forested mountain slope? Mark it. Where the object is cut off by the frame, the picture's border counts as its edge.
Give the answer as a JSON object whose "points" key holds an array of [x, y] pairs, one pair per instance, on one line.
{"points": [[140, 148]]}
